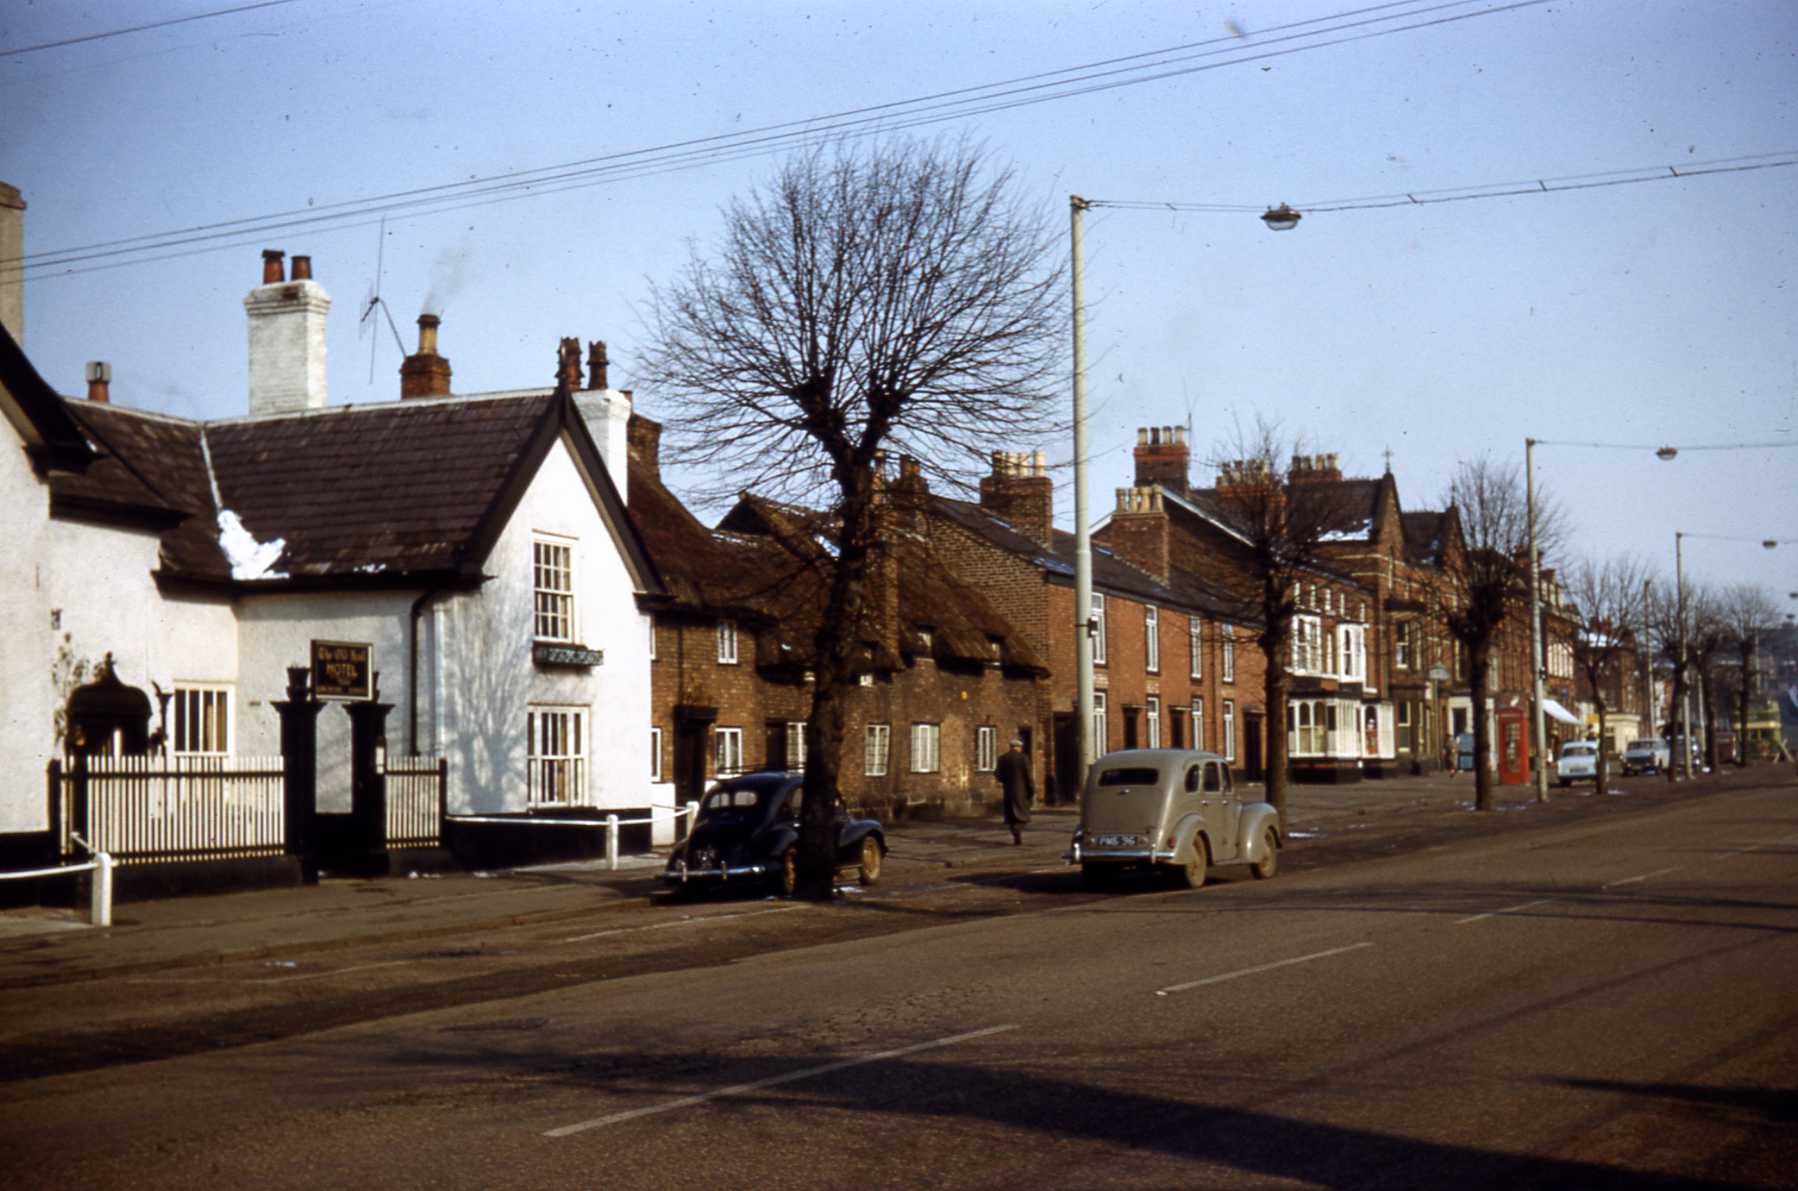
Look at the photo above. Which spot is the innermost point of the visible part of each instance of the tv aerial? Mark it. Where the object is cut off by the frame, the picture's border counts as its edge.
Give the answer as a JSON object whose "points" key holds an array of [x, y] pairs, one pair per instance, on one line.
{"points": [[375, 300]]}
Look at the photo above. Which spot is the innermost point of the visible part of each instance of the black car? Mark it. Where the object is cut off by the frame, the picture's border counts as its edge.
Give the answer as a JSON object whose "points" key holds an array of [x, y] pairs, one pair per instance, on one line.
{"points": [[748, 832]]}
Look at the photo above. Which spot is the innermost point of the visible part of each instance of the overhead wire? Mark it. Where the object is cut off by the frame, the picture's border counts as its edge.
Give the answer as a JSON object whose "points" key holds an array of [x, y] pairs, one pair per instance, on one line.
{"points": [[144, 28], [923, 111]]}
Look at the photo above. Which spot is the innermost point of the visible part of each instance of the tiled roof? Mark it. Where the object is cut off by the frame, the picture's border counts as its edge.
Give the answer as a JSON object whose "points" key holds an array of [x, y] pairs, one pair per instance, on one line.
{"points": [[38, 413], [1423, 535], [406, 487], [152, 463]]}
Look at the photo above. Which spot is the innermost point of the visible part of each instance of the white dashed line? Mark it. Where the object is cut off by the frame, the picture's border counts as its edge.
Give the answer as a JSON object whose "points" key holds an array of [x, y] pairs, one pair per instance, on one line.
{"points": [[699, 921], [1282, 963], [1659, 872], [771, 1081], [1507, 910], [392, 963]]}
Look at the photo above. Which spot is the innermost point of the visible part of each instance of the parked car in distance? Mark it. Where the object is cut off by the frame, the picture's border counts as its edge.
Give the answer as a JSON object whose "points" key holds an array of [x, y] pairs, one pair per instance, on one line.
{"points": [[747, 833], [1646, 754], [1172, 810], [1578, 762]]}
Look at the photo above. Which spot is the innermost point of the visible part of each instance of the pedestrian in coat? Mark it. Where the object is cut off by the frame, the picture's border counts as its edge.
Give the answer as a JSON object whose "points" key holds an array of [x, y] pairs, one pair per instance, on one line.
{"points": [[1014, 779]]}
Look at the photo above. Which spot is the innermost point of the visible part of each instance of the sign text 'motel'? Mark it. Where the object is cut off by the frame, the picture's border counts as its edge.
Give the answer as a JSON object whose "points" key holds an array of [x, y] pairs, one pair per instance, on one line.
{"points": [[340, 670]]}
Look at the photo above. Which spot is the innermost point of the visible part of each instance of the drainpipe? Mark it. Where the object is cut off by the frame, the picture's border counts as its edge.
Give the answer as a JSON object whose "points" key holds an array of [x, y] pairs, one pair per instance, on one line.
{"points": [[418, 607]]}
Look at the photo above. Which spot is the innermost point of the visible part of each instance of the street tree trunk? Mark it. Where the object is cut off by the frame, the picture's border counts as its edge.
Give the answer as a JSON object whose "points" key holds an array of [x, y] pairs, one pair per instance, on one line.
{"points": [[1479, 663], [1273, 642]]}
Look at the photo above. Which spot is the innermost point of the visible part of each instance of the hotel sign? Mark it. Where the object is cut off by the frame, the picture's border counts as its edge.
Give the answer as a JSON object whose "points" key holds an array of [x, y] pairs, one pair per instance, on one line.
{"points": [[340, 670], [574, 656]]}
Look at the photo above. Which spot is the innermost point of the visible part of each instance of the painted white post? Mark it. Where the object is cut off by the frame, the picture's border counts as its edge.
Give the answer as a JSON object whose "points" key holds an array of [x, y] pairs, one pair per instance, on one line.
{"points": [[612, 841], [692, 814], [100, 910]]}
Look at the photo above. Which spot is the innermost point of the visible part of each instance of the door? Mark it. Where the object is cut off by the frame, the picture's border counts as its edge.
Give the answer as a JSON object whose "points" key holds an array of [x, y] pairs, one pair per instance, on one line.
{"points": [[692, 736], [1061, 784], [1251, 762], [1222, 811]]}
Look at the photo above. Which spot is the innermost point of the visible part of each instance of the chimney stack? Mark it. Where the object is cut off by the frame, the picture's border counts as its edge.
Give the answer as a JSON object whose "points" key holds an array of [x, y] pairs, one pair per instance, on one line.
{"points": [[1162, 457], [607, 411], [1138, 531], [424, 373], [1019, 493], [568, 365], [287, 338], [99, 381], [12, 248]]}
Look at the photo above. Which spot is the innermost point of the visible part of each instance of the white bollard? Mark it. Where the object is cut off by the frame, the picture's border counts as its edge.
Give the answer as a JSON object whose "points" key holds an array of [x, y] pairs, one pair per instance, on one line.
{"points": [[612, 841], [692, 814], [100, 910]]}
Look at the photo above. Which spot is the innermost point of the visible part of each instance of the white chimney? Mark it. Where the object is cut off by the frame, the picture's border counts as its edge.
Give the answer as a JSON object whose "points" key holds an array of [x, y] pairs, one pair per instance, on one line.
{"points": [[287, 338], [607, 412]]}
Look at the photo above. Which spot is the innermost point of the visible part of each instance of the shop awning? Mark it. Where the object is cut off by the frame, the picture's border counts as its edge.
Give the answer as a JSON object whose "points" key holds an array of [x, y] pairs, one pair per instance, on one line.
{"points": [[1558, 712]]}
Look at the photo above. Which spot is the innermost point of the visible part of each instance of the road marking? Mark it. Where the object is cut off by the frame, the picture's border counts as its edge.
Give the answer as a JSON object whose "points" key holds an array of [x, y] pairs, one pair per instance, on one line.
{"points": [[771, 1081], [631, 930], [1280, 963], [1507, 910], [1659, 872]]}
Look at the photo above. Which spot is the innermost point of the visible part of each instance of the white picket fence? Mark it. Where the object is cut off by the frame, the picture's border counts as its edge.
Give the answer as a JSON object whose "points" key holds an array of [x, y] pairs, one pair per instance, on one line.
{"points": [[415, 788], [142, 809]]}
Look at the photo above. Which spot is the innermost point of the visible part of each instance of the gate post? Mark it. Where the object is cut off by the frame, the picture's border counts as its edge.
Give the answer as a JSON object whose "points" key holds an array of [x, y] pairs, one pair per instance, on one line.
{"points": [[368, 784], [299, 769]]}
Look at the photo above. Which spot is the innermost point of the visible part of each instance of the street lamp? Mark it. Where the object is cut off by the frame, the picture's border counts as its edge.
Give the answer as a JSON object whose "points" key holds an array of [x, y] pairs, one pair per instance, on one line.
{"points": [[1280, 219]]}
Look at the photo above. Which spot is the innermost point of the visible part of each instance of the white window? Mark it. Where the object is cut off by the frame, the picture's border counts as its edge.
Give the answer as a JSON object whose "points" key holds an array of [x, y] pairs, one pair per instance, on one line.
{"points": [[1227, 661], [1198, 723], [986, 748], [727, 751], [1195, 646], [727, 642], [877, 742], [201, 720], [1401, 646], [558, 755], [553, 581], [1351, 652], [796, 745], [1229, 729], [1151, 629], [1153, 713], [655, 754], [1098, 628], [652, 639], [1328, 598], [1101, 744], [926, 747], [1306, 646]]}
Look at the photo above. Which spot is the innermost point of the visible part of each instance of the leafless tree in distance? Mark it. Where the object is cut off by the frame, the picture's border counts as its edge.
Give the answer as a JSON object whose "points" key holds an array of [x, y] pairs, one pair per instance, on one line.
{"points": [[1746, 611], [895, 298], [1490, 589], [1281, 521], [1608, 598]]}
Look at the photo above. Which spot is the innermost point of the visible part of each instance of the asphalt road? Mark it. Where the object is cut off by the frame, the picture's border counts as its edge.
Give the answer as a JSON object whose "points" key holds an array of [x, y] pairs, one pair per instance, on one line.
{"points": [[1607, 1002]]}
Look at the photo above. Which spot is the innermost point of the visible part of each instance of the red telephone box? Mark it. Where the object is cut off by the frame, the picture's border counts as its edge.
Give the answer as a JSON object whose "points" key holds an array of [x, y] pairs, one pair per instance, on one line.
{"points": [[1514, 746]]}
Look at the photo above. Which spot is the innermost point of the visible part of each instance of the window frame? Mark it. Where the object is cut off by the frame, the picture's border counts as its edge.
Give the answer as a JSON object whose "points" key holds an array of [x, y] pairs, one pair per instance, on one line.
{"points": [[561, 771], [727, 739], [1151, 630], [729, 648], [212, 701], [1227, 653], [1198, 723], [926, 747], [877, 749], [1195, 645], [1152, 716], [655, 754], [554, 608], [1229, 730], [1101, 729], [986, 748], [796, 746], [1098, 628]]}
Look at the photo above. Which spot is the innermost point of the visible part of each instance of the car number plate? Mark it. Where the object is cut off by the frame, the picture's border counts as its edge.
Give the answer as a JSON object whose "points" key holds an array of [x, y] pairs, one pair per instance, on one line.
{"points": [[1116, 841]]}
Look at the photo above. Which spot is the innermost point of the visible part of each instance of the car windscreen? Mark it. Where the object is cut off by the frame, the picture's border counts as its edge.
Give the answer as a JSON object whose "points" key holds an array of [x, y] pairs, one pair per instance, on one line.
{"points": [[1578, 750], [1142, 775]]}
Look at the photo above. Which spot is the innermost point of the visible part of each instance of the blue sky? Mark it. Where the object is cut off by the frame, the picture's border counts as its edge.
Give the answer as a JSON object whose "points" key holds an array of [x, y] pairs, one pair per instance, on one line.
{"points": [[1642, 314]]}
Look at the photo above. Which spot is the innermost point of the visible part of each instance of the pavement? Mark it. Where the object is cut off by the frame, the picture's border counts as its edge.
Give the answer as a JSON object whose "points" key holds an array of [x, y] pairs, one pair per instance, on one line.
{"points": [[1327, 824]]}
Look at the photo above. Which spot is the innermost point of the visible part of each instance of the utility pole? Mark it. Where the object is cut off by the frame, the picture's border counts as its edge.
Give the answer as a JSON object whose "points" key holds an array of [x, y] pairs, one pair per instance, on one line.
{"points": [[1083, 545]]}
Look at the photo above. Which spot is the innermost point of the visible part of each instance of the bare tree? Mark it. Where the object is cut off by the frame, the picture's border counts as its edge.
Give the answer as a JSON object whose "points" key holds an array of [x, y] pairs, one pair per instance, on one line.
{"points": [[1608, 597], [1669, 628], [1708, 637], [1280, 522], [895, 298], [1491, 586], [1746, 611]]}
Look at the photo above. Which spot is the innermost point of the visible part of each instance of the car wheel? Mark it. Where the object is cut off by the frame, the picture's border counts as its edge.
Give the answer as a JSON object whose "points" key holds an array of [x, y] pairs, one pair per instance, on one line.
{"points": [[1197, 866], [1269, 864], [786, 877], [871, 856]]}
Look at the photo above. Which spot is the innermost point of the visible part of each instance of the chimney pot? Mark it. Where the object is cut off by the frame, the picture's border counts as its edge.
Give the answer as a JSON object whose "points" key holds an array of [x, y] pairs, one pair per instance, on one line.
{"points": [[99, 380], [427, 330], [597, 363], [425, 373], [272, 273], [302, 268], [568, 364]]}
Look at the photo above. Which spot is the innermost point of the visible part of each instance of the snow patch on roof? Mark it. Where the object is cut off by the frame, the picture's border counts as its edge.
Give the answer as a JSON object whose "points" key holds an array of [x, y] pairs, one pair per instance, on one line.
{"points": [[249, 558], [1350, 533]]}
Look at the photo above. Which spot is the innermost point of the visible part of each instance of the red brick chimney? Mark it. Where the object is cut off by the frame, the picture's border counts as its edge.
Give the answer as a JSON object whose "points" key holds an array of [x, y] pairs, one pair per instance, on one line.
{"points": [[645, 437], [424, 373], [1138, 530], [99, 381], [1162, 457], [597, 364], [1019, 493], [1316, 469], [568, 365]]}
